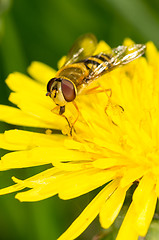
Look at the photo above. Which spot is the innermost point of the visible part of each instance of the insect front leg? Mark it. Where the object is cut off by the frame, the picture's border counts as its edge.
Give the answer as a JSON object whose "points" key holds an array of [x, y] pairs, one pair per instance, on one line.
{"points": [[78, 112], [59, 110]]}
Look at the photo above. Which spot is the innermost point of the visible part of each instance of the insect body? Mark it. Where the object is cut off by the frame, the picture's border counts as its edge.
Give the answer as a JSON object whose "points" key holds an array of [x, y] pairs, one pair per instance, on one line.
{"points": [[82, 67]]}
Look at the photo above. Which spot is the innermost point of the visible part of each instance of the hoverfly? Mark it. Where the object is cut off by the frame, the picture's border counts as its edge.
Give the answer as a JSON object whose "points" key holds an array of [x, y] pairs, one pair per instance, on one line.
{"points": [[82, 67]]}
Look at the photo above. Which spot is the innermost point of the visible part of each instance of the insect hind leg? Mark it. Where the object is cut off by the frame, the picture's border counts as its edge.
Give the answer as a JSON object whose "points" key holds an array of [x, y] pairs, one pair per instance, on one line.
{"points": [[98, 89]]}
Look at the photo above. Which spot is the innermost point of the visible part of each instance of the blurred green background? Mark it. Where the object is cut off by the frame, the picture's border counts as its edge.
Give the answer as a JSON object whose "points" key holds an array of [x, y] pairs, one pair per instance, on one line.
{"points": [[44, 31]]}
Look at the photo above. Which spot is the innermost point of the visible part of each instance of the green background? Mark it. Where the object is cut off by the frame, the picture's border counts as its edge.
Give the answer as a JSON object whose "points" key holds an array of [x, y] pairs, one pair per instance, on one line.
{"points": [[44, 31]]}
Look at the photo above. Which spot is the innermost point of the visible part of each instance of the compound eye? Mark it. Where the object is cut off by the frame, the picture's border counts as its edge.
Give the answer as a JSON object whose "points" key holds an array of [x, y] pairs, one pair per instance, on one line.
{"points": [[68, 90], [50, 84]]}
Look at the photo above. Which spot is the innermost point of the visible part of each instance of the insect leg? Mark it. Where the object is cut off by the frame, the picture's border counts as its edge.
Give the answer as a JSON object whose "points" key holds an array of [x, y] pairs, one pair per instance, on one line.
{"points": [[98, 89], [56, 110], [59, 111], [72, 127]]}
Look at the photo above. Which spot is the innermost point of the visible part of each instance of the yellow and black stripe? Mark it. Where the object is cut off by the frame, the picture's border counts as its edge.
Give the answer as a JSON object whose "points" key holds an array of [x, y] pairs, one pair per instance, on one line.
{"points": [[101, 59], [97, 65]]}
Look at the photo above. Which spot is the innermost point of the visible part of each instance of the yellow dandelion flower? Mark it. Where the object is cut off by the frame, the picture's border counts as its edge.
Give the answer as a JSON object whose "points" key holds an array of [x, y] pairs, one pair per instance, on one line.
{"points": [[112, 149]]}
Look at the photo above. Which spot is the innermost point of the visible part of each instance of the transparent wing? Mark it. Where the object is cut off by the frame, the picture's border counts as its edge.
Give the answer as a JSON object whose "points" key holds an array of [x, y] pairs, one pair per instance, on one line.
{"points": [[83, 47], [117, 57], [125, 54]]}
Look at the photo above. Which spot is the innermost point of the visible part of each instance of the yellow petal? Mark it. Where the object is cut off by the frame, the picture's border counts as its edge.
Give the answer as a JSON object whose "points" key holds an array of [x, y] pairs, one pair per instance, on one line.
{"points": [[144, 217], [41, 111], [84, 181], [143, 191], [109, 162], [60, 182], [112, 206], [21, 159], [131, 175], [42, 188], [40, 156], [41, 72], [40, 183], [89, 213], [10, 146], [127, 229], [41, 179], [157, 187], [10, 189], [128, 42], [15, 116], [138, 217], [34, 138], [15, 80], [25, 140], [151, 52], [71, 166], [61, 62], [19, 97], [102, 47], [34, 195]]}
